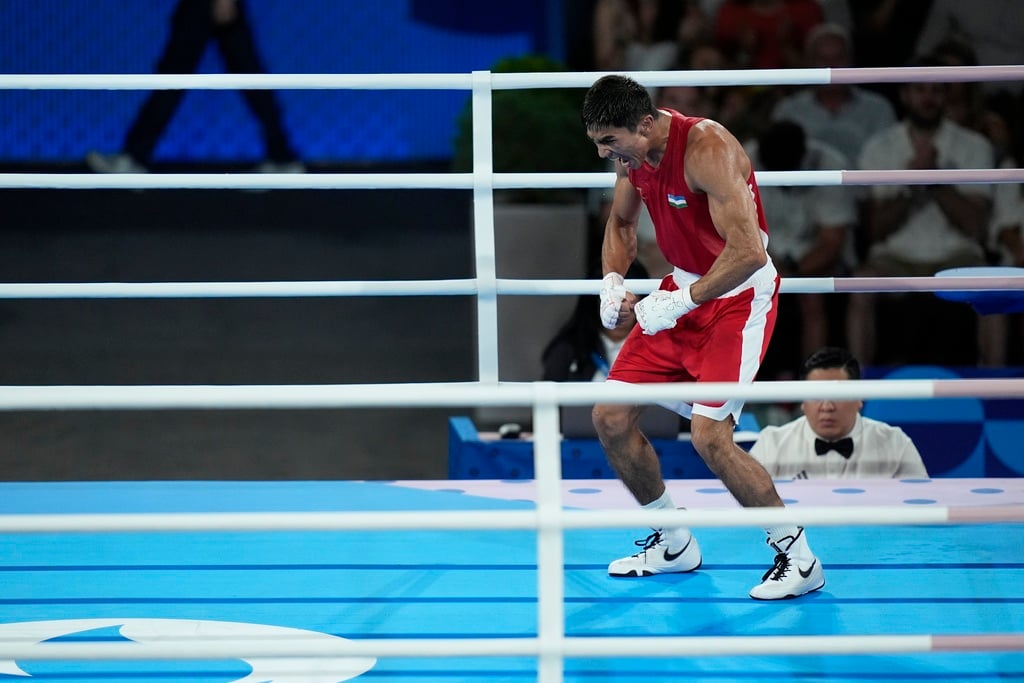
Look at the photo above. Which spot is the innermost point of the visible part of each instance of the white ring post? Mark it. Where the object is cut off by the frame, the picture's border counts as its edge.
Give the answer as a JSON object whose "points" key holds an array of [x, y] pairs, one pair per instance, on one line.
{"points": [[483, 230], [547, 467]]}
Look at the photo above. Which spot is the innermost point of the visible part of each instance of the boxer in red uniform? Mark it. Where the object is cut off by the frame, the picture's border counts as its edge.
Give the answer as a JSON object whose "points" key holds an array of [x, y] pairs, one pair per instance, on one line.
{"points": [[710, 321]]}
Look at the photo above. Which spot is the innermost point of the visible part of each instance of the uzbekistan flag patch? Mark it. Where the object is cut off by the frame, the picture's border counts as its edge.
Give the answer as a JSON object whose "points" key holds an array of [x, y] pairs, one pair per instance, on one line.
{"points": [[676, 201]]}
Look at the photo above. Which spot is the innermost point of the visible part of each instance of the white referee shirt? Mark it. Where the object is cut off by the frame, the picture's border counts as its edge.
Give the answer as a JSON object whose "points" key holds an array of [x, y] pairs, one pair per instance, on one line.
{"points": [[880, 450]]}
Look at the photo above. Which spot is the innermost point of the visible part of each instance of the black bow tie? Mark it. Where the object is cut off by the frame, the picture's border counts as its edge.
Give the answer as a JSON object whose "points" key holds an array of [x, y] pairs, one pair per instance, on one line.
{"points": [[843, 447]]}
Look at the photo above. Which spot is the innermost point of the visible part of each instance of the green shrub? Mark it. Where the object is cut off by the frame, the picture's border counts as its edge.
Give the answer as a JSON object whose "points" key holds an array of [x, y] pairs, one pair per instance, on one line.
{"points": [[537, 130]]}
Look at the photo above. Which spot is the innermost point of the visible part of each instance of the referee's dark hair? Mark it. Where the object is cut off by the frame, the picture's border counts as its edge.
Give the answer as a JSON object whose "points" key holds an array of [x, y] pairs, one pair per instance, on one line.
{"points": [[829, 358]]}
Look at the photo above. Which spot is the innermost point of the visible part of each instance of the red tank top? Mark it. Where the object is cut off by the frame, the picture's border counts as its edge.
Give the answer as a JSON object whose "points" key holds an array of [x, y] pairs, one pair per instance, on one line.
{"points": [[682, 222]]}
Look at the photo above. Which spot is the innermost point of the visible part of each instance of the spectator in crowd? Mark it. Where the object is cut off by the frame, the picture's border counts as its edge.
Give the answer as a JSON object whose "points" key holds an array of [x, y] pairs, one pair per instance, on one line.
{"points": [[884, 32], [967, 106], [919, 230], [765, 34], [636, 35], [1005, 243], [832, 440], [966, 103], [695, 100], [193, 24], [995, 28], [1006, 234], [811, 234], [760, 34], [837, 12], [837, 114], [739, 108]]}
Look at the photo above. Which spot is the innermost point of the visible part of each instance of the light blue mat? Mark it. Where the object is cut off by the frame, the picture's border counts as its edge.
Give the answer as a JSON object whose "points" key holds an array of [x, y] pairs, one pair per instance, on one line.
{"points": [[468, 584]]}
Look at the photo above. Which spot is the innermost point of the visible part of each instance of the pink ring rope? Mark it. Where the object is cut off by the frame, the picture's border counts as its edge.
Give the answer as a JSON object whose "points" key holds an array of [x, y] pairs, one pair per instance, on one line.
{"points": [[910, 74]]}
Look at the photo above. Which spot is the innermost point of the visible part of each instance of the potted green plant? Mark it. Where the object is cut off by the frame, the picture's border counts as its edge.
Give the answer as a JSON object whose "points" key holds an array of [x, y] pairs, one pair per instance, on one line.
{"points": [[535, 130], [539, 233]]}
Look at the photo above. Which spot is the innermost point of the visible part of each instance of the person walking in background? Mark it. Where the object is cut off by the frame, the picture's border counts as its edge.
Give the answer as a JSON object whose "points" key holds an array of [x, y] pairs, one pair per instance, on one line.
{"points": [[710, 321], [193, 24], [832, 440]]}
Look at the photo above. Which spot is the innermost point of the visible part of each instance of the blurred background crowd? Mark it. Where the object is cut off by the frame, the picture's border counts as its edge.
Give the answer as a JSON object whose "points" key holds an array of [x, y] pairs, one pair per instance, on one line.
{"points": [[816, 231]]}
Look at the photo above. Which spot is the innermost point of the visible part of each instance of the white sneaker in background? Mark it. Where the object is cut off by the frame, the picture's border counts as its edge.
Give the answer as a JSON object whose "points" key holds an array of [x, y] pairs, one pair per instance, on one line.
{"points": [[656, 557], [796, 570], [114, 163]]}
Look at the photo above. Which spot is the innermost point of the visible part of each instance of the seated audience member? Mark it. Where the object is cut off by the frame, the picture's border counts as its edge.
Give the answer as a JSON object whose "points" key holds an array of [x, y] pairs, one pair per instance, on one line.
{"points": [[994, 27], [838, 114], [811, 226], [635, 36], [919, 230], [833, 440], [884, 34], [740, 108], [967, 106], [583, 350], [765, 34]]}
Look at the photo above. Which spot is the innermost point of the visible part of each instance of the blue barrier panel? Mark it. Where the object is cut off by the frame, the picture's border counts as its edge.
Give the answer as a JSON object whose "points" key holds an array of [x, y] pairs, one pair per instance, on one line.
{"points": [[475, 456], [957, 437]]}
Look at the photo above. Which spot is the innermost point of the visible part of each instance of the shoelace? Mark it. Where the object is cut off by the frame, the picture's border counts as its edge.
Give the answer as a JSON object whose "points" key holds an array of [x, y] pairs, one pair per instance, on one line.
{"points": [[778, 570], [647, 543]]}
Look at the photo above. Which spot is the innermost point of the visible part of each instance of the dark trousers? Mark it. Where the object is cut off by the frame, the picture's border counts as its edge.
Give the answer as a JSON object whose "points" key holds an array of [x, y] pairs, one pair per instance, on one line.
{"points": [[192, 27]]}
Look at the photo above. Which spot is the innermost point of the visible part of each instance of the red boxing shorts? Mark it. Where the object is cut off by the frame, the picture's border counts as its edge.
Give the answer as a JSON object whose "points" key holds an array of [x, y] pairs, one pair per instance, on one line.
{"points": [[720, 341]]}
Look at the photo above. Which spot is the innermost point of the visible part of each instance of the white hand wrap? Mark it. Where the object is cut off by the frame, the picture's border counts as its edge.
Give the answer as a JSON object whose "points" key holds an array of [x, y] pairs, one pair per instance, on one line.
{"points": [[659, 310], [612, 295]]}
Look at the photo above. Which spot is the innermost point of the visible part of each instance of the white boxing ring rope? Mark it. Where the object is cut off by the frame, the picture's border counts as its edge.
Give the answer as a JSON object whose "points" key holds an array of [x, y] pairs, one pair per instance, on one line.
{"points": [[465, 181], [551, 645], [466, 287]]}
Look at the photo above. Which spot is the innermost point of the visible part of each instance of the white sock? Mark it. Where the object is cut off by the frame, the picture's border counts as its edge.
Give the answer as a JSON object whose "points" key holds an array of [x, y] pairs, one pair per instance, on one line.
{"points": [[676, 536], [789, 539]]}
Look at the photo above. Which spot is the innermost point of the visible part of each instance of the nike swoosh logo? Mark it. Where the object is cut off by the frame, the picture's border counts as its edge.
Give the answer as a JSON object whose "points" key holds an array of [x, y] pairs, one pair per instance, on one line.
{"points": [[672, 557], [807, 573]]}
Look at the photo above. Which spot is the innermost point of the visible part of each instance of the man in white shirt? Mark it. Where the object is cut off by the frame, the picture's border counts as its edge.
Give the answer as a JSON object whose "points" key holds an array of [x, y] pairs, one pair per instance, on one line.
{"points": [[833, 440], [994, 28], [838, 114], [812, 227], [919, 230]]}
